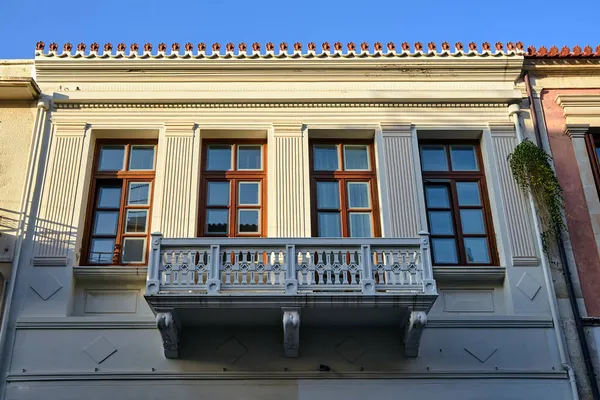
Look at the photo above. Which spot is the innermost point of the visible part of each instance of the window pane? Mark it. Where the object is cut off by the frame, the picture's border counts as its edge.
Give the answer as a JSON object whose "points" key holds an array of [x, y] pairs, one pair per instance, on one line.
{"points": [[111, 158], [330, 224], [444, 251], [328, 195], [218, 193], [101, 251], [249, 157], [356, 158], [440, 223], [463, 158], [109, 197], [598, 153], [134, 250], [139, 194], [472, 221], [106, 223], [468, 193], [360, 225], [477, 250], [433, 158], [325, 158], [437, 196], [217, 221], [248, 221], [218, 158], [141, 157], [136, 221], [358, 195], [248, 193]]}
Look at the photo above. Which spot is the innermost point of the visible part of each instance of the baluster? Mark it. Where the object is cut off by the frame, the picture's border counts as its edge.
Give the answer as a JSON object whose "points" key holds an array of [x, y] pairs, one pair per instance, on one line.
{"points": [[244, 268], [227, 266], [321, 267], [328, 270], [336, 260]]}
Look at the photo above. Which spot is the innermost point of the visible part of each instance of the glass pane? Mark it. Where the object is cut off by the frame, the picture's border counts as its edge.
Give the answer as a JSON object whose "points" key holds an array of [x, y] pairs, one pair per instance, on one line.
{"points": [[598, 153], [249, 157], [433, 158], [444, 251], [101, 251], [111, 158], [136, 221], [477, 250], [440, 223], [248, 221], [218, 158], [218, 193], [360, 225], [325, 158], [328, 195], [330, 224], [141, 157], [139, 194], [437, 196], [468, 193], [248, 193], [463, 158], [472, 221], [106, 222], [109, 197], [217, 221], [358, 195], [356, 158], [134, 250]]}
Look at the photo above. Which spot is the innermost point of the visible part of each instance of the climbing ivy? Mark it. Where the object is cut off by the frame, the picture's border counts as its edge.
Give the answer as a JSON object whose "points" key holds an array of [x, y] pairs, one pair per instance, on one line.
{"points": [[531, 167]]}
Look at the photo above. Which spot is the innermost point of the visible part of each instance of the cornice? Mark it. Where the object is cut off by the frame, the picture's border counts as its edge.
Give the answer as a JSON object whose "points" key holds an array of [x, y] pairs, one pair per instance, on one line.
{"points": [[578, 100], [576, 131], [18, 88]]}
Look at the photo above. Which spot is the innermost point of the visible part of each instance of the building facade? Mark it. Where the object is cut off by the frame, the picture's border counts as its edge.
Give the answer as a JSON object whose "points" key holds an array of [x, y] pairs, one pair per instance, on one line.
{"points": [[565, 89], [291, 223]]}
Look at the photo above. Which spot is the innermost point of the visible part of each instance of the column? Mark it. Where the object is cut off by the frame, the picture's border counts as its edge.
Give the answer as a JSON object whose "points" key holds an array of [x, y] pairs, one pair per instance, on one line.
{"points": [[288, 181]]}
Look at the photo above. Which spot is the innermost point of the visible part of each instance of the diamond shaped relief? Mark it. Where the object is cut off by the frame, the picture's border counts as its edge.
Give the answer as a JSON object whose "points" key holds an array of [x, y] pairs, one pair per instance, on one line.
{"points": [[529, 286], [351, 349], [231, 351], [100, 349], [481, 351], [45, 285]]}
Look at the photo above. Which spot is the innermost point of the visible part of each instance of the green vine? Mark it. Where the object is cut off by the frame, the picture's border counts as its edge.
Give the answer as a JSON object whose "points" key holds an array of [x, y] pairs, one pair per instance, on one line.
{"points": [[531, 167]]}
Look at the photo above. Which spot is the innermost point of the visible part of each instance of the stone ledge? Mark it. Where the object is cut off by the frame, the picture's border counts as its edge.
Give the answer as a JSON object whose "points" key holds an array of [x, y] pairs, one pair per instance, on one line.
{"points": [[111, 273], [469, 273]]}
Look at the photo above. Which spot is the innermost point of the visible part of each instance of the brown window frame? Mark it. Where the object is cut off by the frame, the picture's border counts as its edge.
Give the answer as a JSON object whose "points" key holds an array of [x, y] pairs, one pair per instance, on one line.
{"points": [[461, 176], [234, 176], [123, 178], [592, 141], [344, 177]]}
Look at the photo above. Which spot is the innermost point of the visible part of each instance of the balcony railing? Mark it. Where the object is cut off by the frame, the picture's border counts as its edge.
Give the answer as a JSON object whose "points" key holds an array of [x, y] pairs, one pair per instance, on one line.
{"points": [[221, 266]]}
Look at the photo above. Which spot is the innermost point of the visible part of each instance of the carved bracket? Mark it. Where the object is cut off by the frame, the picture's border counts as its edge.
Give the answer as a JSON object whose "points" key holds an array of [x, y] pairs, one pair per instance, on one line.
{"points": [[169, 330], [291, 331], [414, 330]]}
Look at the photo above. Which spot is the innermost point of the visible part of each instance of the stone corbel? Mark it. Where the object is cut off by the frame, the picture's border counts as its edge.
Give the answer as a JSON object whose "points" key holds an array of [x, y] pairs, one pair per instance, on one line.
{"points": [[169, 330], [291, 331], [412, 334]]}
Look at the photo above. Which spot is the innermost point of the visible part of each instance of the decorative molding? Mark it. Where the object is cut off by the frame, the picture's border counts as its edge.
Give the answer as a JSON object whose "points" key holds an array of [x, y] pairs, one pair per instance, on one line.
{"points": [[288, 129], [291, 331], [577, 131], [169, 330], [564, 52], [525, 261], [178, 128], [578, 100], [489, 323], [502, 129], [395, 129], [469, 273], [68, 129], [42, 261], [113, 274], [69, 323], [412, 334]]}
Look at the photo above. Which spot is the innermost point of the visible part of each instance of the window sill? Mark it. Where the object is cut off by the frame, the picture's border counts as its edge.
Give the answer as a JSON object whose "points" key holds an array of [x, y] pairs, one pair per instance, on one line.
{"points": [[110, 273], [469, 273]]}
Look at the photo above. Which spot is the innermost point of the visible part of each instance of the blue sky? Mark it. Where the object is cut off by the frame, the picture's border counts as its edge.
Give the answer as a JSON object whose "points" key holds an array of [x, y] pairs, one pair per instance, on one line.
{"points": [[534, 22]]}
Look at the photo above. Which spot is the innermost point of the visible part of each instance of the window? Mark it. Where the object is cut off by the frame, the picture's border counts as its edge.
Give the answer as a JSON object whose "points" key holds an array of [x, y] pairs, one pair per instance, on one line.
{"points": [[344, 189], [593, 144], [234, 183], [457, 205], [120, 208]]}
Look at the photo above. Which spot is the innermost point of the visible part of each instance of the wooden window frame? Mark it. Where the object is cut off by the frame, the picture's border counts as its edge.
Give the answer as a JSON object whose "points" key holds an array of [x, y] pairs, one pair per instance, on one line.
{"points": [[234, 176], [461, 176], [125, 177], [344, 177], [592, 142]]}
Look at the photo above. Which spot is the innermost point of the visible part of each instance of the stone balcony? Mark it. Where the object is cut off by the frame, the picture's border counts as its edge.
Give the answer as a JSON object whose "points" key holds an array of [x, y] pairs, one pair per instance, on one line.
{"points": [[319, 281]]}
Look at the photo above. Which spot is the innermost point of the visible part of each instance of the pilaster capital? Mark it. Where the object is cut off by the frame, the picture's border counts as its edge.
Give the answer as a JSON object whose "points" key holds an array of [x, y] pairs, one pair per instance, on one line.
{"points": [[64, 128], [288, 129], [180, 128], [395, 128], [576, 131], [502, 128]]}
